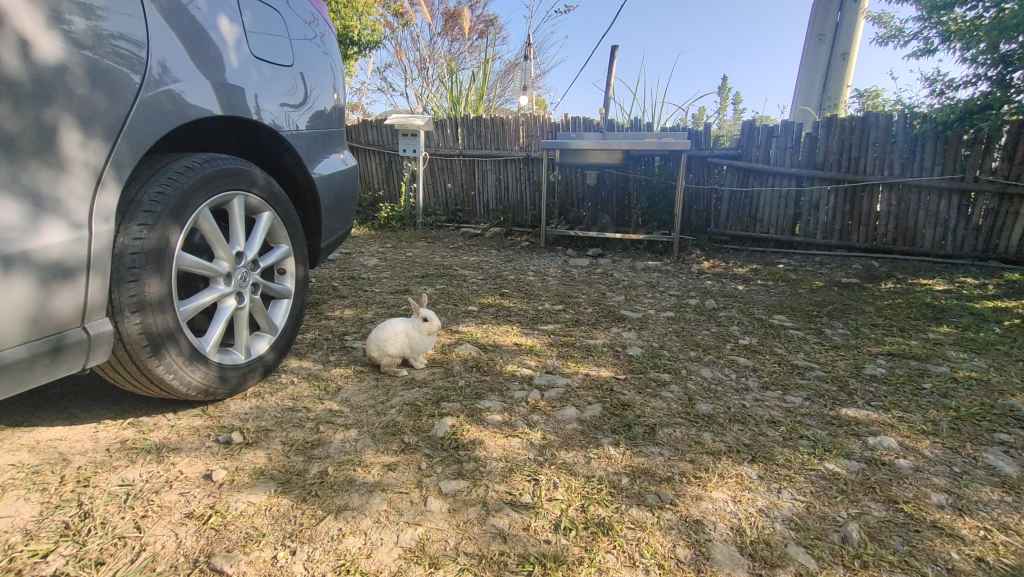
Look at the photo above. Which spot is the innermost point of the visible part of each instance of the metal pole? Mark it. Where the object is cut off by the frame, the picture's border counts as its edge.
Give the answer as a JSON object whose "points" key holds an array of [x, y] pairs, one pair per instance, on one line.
{"points": [[843, 60], [609, 85], [814, 62], [543, 197], [419, 181], [678, 214]]}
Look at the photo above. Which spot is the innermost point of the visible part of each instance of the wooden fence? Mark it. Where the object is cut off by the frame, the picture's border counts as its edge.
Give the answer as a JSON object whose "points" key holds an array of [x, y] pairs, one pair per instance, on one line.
{"points": [[876, 182]]}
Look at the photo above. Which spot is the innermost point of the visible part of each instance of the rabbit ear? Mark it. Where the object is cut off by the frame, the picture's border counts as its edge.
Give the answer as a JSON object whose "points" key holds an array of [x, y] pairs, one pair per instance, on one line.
{"points": [[423, 300], [415, 306]]}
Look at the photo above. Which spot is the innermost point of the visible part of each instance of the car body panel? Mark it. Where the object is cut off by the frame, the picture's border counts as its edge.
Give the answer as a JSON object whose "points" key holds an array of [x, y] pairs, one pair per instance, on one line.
{"points": [[189, 62]]}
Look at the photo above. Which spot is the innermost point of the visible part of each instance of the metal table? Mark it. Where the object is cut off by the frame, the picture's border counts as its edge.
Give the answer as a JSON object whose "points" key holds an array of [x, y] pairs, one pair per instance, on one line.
{"points": [[611, 149]]}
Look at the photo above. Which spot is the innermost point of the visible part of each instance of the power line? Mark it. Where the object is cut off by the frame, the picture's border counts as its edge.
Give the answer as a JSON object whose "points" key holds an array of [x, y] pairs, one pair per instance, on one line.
{"points": [[596, 46]]}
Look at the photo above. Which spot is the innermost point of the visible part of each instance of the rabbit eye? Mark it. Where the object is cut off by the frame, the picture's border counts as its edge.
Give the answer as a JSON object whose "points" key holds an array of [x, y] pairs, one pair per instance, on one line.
{"points": [[425, 320]]}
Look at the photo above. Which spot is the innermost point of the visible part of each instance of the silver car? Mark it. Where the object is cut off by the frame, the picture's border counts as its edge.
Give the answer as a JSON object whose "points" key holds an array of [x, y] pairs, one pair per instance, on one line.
{"points": [[169, 172]]}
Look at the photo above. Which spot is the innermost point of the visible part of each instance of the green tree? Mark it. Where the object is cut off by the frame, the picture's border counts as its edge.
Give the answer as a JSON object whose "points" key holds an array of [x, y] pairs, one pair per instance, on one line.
{"points": [[724, 93], [982, 36], [697, 119], [360, 27]]}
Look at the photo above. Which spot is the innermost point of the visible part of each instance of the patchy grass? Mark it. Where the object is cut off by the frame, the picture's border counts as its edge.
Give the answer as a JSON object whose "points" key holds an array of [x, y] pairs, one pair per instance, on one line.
{"points": [[716, 398]]}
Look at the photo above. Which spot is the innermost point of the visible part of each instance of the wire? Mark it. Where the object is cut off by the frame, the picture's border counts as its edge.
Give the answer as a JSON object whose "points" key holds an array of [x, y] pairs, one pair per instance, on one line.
{"points": [[1001, 181], [523, 156], [596, 46], [780, 188]]}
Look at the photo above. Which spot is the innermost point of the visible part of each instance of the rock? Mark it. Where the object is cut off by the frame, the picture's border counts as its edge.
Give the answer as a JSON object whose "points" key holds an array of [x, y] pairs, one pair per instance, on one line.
{"points": [[604, 261], [579, 261], [801, 556], [631, 314], [436, 505], [595, 252], [467, 350], [660, 377], [218, 475], [704, 409], [706, 373], [743, 362], [727, 561], [534, 395], [443, 427], [630, 335], [1014, 406], [667, 315], [853, 467], [546, 380], [710, 305], [1001, 462], [469, 232], [874, 371], [235, 438], [568, 414], [451, 487], [883, 443], [554, 394], [634, 351], [494, 231], [449, 406], [938, 499], [859, 414], [850, 534], [903, 465], [225, 564], [692, 302], [520, 395], [792, 400], [571, 253], [494, 419], [591, 411], [489, 405]]}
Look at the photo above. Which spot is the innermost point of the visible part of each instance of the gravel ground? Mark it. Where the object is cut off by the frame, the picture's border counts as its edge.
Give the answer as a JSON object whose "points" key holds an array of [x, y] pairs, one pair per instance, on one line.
{"points": [[612, 414]]}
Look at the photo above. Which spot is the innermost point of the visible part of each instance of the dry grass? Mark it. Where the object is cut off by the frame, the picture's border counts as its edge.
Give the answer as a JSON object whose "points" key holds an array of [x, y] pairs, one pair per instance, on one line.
{"points": [[726, 428]]}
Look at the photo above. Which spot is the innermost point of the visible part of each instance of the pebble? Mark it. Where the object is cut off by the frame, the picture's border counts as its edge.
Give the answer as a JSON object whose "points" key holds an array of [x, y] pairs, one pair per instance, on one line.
{"points": [[546, 380], [859, 414], [534, 395], [489, 405], [218, 475], [883, 443], [782, 321], [725, 559], [235, 438], [710, 304], [467, 350], [850, 534], [594, 252], [704, 409], [579, 261], [225, 564], [1001, 462], [631, 314], [568, 414], [494, 419], [634, 351], [591, 411], [801, 556], [436, 505], [874, 371], [1003, 438], [443, 427], [741, 361], [938, 499], [853, 467], [903, 465], [451, 487]]}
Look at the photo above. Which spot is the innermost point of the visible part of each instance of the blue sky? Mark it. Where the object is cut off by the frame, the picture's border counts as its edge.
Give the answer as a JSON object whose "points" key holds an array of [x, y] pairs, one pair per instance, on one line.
{"points": [[756, 42]]}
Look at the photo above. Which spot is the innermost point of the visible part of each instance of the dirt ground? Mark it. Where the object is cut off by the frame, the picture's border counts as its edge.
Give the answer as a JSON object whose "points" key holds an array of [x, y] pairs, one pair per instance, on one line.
{"points": [[728, 414]]}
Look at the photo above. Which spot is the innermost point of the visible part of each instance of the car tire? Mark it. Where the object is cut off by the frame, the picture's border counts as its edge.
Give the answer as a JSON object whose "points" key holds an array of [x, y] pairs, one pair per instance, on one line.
{"points": [[168, 262]]}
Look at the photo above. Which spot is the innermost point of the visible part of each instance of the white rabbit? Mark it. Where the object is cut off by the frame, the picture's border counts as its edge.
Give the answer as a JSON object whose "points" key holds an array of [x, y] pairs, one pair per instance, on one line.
{"points": [[409, 339]]}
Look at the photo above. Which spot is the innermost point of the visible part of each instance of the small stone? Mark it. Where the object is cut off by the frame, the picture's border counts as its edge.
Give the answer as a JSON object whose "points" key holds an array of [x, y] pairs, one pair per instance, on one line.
{"points": [[692, 302], [782, 321], [631, 314], [1013, 405], [630, 335], [436, 505], [494, 419], [938, 499], [1001, 462], [883, 443], [854, 467], [859, 414], [850, 534], [218, 475], [903, 465], [710, 304], [225, 564], [443, 427], [554, 394], [467, 350], [660, 377], [1003, 438], [792, 400], [595, 252], [704, 409], [579, 261], [235, 438], [874, 371], [494, 231], [727, 561], [570, 252], [634, 351], [451, 487], [706, 373], [534, 395], [568, 414], [520, 395], [591, 411], [604, 261], [741, 361], [489, 405], [546, 380], [801, 556]]}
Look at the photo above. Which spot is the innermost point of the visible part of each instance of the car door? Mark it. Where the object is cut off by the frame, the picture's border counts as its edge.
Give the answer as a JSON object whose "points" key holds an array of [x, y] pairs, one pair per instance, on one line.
{"points": [[69, 73]]}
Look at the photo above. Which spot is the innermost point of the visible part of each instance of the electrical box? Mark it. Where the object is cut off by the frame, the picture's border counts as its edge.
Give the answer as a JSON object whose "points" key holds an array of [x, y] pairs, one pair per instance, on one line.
{"points": [[409, 143]]}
